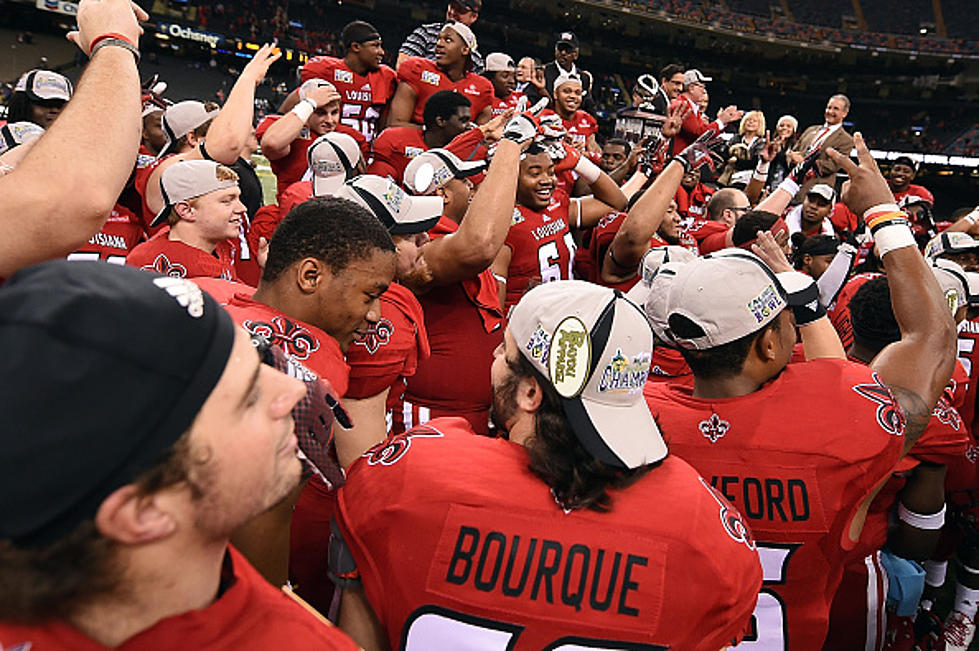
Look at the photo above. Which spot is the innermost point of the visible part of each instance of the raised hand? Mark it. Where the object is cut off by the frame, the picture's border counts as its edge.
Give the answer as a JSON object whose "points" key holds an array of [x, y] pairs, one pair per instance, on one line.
{"points": [[867, 187], [703, 150], [675, 114], [806, 165], [259, 66], [493, 130], [98, 17]]}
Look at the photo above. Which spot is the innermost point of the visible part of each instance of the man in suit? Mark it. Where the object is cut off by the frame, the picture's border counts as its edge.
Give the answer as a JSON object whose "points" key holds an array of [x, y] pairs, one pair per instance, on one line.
{"points": [[694, 124], [823, 136], [670, 87], [565, 55]]}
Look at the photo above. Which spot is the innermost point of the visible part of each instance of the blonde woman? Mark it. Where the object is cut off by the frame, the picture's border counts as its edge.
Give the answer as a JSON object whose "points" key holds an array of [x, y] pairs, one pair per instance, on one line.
{"points": [[744, 147]]}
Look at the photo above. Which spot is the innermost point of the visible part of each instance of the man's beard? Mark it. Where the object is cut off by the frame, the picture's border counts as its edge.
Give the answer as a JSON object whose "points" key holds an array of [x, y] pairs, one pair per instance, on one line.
{"points": [[504, 403]]}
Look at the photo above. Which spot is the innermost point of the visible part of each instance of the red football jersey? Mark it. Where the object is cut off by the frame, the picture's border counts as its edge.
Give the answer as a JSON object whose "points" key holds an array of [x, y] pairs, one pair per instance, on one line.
{"points": [[249, 614], [839, 312], [692, 204], [426, 79], [969, 357], [396, 146], [312, 351], [797, 475], [222, 290], [391, 349], [121, 232], [495, 563], [668, 365], [264, 223], [292, 167], [509, 102], [579, 126], [363, 98], [174, 258], [465, 325], [541, 246]]}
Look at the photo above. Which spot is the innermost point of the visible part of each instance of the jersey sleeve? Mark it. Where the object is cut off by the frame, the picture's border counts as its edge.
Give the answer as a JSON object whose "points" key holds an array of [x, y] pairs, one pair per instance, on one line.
{"points": [[383, 147], [410, 72], [264, 125], [317, 68]]}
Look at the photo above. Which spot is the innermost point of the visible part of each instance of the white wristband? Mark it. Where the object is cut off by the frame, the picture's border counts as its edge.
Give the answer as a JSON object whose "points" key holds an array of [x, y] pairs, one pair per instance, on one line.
{"points": [[892, 237], [930, 522], [587, 170], [790, 186], [303, 110], [762, 167], [972, 217]]}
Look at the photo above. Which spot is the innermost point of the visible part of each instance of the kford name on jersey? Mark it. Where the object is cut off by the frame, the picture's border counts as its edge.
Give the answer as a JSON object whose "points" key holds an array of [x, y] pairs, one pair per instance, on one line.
{"points": [[547, 230], [575, 575], [776, 499]]}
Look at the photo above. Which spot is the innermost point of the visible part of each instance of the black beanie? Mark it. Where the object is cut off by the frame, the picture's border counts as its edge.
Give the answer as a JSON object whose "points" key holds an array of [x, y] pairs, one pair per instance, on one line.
{"points": [[104, 368]]}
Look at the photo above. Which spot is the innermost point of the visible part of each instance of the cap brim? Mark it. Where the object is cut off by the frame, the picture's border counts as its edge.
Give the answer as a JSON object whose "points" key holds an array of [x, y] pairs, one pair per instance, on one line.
{"points": [[161, 216], [424, 213], [325, 186], [639, 293], [167, 146], [630, 438]]}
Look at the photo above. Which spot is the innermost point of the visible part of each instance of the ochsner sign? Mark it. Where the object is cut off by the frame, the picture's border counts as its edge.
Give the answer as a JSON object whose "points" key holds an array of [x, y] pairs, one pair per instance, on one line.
{"points": [[179, 31]]}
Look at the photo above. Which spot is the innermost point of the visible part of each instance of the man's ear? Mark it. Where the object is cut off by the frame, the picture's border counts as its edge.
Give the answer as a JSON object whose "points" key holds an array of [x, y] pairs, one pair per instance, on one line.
{"points": [[529, 395], [766, 343], [131, 517], [184, 211], [310, 274]]}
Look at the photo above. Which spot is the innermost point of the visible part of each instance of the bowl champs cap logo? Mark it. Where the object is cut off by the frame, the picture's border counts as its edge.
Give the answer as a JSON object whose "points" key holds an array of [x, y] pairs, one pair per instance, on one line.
{"points": [[570, 357], [765, 304]]}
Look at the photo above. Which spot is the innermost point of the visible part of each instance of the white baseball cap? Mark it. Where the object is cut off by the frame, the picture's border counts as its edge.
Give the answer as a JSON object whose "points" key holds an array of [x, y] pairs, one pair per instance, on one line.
{"points": [[725, 296], [499, 62], [651, 290], [187, 179], [180, 119], [953, 278], [950, 242], [694, 76], [13, 134], [432, 169], [567, 78], [824, 191], [594, 346], [311, 85], [401, 213], [41, 85], [332, 158], [467, 35]]}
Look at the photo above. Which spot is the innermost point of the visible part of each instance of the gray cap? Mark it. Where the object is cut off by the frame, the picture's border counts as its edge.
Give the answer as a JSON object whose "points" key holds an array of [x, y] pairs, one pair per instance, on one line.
{"points": [[959, 286], [180, 119], [401, 213], [694, 76], [726, 296], [188, 179], [42, 85], [499, 62], [14, 134], [824, 191], [432, 169], [332, 158], [652, 290], [595, 347]]}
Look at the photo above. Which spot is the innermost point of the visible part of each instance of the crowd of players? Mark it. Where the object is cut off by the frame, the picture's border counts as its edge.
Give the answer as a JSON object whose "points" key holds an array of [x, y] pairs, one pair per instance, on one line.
{"points": [[476, 379]]}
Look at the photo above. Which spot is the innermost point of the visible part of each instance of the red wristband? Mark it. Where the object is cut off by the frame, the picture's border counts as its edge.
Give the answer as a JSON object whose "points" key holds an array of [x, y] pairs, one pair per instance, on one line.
{"points": [[102, 37]]}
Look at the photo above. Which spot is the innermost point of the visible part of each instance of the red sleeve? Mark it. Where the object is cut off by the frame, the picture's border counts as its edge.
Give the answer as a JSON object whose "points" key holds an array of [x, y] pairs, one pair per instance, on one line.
{"points": [[317, 68], [264, 125], [383, 84], [410, 71], [382, 164], [263, 225], [466, 144], [713, 242], [844, 220]]}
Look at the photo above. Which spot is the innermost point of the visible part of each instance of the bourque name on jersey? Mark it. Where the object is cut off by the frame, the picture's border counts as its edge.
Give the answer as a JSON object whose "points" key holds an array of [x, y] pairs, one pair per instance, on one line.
{"points": [[519, 563]]}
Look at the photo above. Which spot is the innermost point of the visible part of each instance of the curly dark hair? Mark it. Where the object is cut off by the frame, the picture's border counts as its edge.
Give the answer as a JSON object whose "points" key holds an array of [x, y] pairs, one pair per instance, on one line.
{"points": [[336, 231], [577, 479]]}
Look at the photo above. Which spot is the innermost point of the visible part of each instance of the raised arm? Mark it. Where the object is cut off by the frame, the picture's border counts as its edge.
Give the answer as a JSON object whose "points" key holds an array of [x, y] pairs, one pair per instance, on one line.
{"points": [[473, 247], [60, 194], [632, 239], [277, 139], [917, 367], [229, 131]]}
